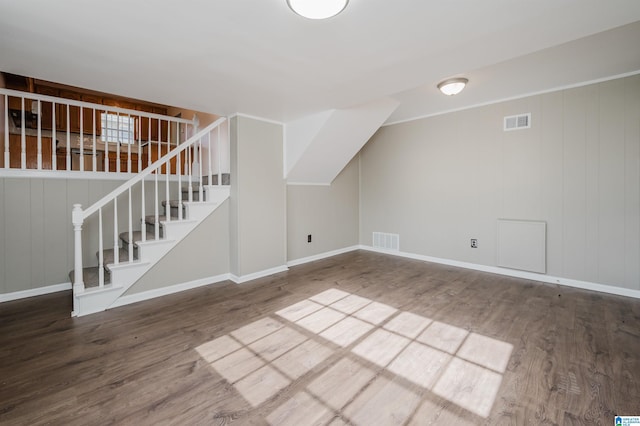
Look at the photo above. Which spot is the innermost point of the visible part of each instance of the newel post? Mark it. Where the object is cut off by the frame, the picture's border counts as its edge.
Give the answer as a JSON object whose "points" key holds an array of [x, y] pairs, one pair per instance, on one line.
{"points": [[77, 220]]}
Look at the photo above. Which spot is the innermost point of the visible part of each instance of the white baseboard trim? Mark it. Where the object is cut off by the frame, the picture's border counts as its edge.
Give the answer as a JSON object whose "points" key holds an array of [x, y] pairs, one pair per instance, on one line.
{"points": [[320, 256], [584, 285], [165, 291], [255, 275], [23, 294]]}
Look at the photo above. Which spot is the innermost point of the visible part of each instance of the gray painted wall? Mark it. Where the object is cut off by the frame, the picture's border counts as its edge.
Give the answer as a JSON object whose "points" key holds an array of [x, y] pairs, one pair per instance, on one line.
{"points": [[440, 181], [328, 213], [258, 197], [202, 254]]}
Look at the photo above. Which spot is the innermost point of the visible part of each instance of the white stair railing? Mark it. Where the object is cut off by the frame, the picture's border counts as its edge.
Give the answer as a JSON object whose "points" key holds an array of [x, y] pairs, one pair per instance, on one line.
{"points": [[48, 133], [211, 144]]}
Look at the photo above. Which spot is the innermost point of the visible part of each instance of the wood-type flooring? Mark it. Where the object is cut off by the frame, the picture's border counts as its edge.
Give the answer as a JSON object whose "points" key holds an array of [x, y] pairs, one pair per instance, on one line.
{"points": [[360, 338]]}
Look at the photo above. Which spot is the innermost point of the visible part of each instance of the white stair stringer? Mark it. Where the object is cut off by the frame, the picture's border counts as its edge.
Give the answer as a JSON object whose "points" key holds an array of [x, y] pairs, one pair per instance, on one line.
{"points": [[125, 274]]}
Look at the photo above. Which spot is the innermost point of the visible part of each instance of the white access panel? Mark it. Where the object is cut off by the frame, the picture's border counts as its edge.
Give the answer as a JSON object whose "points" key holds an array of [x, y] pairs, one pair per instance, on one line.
{"points": [[522, 244]]}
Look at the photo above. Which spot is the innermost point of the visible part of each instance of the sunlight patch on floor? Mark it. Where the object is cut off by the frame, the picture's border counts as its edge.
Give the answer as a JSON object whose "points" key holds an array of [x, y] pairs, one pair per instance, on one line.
{"points": [[387, 351]]}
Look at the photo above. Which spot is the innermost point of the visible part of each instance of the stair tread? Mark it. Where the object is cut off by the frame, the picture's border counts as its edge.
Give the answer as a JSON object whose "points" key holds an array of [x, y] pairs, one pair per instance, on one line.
{"points": [[174, 203], [90, 277]]}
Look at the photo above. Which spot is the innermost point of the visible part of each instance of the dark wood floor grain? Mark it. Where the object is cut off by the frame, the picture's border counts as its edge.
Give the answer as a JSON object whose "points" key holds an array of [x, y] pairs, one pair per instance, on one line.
{"points": [[575, 357]]}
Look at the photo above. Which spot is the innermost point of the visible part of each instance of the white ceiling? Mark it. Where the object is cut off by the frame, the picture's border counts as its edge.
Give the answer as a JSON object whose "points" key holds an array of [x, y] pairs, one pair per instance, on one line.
{"points": [[259, 58]]}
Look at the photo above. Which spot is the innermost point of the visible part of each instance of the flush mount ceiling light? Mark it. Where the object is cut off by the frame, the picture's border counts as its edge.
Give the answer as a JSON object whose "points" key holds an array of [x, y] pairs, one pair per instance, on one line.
{"points": [[453, 86], [317, 9]]}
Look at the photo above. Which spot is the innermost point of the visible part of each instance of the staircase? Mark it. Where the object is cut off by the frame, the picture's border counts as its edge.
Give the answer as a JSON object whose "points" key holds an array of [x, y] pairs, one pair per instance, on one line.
{"points": [[188, 199]]}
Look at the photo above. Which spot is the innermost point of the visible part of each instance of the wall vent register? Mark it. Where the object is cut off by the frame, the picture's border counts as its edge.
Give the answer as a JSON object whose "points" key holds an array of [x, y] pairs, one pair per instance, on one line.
{"points": [[385, 241], [517, 122]]}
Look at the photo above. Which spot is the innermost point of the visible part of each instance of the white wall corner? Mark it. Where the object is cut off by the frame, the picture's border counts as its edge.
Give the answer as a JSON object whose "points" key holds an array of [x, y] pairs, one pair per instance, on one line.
{"points": [[299, 134], [336, 142]]}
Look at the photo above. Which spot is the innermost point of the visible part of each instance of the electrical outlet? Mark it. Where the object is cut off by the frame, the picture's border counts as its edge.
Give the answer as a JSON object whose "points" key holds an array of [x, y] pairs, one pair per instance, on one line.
{"points": [[309, 238], [474, 243]]}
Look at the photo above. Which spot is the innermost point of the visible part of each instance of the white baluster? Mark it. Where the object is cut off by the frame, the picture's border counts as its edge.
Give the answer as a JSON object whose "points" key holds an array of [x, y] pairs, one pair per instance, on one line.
{"points": [[7, 155], [129, 142], [54, 142], [106, 145], [68, 138], [143, 229], [219, 154], [157, 221], [190, 166], [116, 245], [81, 140], [139, 145], [101, 251], [39, 158], [200, 194], [209, 160], [179, 172], [95, 148], [167, 207], [118, 144], [77, 220], [130, 229], [23, 141]]}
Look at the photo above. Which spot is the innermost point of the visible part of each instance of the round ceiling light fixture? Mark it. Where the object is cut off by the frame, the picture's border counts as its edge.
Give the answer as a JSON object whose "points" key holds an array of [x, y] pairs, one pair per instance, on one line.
{"points": [[317, 9], [453, 86]]}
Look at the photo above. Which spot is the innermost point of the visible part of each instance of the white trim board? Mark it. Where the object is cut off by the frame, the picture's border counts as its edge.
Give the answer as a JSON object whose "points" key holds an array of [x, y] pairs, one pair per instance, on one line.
{"points": [[40, 291], [320, 256], [584, 285], [255, 117], [165, 291], [255, 275]]}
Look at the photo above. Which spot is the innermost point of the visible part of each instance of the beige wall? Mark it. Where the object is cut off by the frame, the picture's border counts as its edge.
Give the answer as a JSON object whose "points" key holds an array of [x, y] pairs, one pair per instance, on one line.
{"points": [[258, 197], [441, 181], [202, 254], [328, 213]]}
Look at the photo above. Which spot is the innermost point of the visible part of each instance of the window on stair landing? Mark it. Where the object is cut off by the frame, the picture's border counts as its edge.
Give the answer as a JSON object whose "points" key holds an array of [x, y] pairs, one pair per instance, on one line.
{"points": [[117, 128]]}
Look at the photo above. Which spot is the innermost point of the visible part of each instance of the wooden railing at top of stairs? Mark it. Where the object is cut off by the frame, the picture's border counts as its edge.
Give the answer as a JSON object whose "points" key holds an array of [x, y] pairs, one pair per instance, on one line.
{"points": [[209, 145]]}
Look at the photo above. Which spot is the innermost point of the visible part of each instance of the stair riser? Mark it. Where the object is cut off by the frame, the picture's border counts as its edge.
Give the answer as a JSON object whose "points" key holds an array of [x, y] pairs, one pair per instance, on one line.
{"points": [[123, 254], [196, 195], [151, 230], [155, 249], [175, 211], [125, 275]]}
